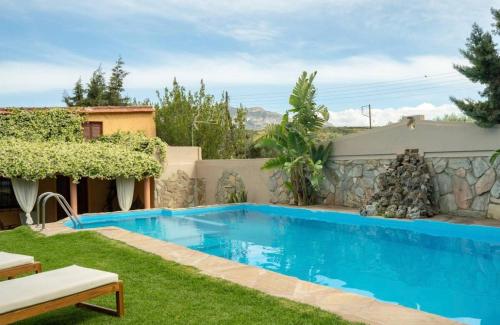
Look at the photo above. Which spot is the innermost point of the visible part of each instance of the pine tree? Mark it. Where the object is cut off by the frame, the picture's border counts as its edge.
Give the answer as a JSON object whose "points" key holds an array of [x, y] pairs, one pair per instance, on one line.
{"points": [[115, 85], [96, 89], [484, 68], [78, 98]]}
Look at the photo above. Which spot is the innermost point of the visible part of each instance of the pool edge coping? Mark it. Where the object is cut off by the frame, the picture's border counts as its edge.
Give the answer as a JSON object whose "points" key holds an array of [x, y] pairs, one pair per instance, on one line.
{"points": [[350, 306]]}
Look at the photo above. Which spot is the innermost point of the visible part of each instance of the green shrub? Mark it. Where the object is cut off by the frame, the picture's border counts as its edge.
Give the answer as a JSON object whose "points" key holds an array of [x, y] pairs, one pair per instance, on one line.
{"points": [[238, 197]]}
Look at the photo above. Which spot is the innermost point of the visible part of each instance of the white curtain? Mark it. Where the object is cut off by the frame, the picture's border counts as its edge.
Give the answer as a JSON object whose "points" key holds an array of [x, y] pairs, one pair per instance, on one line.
{"points": [[125, 192], [25, 192]]}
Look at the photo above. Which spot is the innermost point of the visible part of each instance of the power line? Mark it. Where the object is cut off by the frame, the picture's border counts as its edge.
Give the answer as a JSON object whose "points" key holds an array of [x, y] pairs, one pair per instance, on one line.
{"points": [[355, 102], [374, 94], [358, 92], [353, 87]]}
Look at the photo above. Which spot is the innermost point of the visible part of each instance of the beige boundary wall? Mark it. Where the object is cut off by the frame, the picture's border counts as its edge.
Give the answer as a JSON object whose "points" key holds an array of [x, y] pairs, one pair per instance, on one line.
{"points": [[223, 176], [433, 139], [457, 155]]}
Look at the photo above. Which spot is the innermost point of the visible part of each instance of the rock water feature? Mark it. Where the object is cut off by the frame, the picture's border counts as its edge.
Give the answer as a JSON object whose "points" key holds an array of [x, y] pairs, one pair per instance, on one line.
{"points": [[405, 189]]}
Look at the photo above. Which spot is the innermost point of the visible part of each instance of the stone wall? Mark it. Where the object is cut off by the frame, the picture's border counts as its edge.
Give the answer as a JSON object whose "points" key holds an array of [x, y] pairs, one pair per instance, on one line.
{"points": [[178, 191], [354, 183], [468, 187], [229, 183], [277, 188]]}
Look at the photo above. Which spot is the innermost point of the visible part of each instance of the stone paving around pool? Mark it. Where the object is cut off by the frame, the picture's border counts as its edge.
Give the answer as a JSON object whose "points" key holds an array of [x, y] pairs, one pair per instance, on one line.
{"points": [[350, 306]]}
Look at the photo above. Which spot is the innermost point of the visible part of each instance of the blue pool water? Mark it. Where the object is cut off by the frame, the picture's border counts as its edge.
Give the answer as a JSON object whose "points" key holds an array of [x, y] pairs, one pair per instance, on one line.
{"points": [[446, 269]]}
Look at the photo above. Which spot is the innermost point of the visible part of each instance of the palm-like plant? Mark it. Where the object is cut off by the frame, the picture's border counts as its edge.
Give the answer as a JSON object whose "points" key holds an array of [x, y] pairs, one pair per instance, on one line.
{"points": [[303, 161]]}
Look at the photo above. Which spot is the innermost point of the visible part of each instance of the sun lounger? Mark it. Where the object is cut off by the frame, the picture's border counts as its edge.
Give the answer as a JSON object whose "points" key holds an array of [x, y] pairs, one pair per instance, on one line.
{"points": [[12, 265], [73, 285]]}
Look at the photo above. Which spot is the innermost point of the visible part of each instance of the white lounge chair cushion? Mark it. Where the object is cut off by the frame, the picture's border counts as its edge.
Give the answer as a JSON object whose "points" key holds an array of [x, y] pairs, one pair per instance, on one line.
{"points": [[8, 260], [46, 286]]}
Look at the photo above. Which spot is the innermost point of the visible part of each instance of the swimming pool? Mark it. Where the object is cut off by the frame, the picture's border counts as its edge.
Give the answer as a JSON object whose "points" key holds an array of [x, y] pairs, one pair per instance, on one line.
{"points": [[446, 269]]}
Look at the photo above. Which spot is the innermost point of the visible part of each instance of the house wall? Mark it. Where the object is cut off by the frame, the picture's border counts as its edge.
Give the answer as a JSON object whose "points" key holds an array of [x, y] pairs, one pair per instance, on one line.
{"points": [[133, 122]]}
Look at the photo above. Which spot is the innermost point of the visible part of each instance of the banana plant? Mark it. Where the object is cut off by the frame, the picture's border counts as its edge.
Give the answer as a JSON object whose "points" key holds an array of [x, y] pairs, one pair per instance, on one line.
{"points": [[302, 160]]}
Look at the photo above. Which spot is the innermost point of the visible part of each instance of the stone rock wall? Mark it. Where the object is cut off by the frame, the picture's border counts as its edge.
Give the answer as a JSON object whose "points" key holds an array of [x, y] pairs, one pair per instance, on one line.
{"points": [[354, 183], [279, 192], [178, 191], [230, 182], [468, 186]]}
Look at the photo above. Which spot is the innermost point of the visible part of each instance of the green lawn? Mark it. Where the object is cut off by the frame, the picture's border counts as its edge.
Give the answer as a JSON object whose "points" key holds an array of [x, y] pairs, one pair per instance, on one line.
{"points": [[156, 291]]}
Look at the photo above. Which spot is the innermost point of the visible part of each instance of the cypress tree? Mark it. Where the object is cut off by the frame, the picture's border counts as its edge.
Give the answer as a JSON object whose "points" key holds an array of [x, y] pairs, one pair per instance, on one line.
{"points": [[484, 68], [97, 92], [96, 89], [78, 98], [115, 85]]}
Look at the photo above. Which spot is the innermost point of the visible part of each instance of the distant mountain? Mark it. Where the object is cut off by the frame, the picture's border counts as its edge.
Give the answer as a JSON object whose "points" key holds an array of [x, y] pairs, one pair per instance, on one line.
{"points": [[258, 118]]}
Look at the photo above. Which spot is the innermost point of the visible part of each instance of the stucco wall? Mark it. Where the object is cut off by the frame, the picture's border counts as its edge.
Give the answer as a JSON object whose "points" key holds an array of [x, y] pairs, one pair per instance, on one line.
{"points": [[256, 181], [133, 121], [434, 139]]}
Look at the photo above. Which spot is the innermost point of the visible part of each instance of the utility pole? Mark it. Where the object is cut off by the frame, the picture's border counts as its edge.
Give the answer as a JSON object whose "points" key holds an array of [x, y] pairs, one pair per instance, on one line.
{"points": [[369, 113]]}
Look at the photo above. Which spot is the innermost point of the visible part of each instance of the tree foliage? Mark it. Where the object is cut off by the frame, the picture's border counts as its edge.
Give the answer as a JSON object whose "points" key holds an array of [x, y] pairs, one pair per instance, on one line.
{"points": [[484, 68], [184, 118], [453, 118], [297, 154], [98, 92]]}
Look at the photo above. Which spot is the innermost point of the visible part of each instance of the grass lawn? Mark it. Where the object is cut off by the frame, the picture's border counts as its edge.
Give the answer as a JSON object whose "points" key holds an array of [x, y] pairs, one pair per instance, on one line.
{"points": [[156, 291]]}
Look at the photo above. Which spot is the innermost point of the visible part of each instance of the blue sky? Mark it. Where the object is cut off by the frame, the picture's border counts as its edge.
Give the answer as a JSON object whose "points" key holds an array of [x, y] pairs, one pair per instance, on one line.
{"points": [[395, 55]]}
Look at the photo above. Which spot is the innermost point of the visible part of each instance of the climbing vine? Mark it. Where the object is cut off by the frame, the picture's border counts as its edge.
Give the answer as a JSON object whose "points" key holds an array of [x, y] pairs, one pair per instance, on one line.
{"points": [[137, 141], [39, 160], [44, 143], [42, 124]]}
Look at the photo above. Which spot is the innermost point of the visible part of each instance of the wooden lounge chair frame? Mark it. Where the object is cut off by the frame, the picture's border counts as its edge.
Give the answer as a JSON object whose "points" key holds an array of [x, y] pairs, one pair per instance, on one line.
{"points": [[77, 299], [12, 272]]}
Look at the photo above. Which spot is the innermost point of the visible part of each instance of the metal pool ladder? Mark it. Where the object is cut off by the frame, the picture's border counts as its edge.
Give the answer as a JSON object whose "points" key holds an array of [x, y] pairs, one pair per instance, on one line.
{"points": [[62, 202]]}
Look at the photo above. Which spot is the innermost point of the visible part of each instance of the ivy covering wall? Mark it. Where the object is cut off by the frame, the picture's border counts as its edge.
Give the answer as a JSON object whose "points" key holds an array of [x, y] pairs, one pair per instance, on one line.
{"points": [[42, 125], [41, 144]]}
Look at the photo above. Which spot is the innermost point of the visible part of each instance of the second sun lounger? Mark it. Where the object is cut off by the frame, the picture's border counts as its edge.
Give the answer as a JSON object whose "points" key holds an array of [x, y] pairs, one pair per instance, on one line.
{"points": [[12, 265], [73, 285]]}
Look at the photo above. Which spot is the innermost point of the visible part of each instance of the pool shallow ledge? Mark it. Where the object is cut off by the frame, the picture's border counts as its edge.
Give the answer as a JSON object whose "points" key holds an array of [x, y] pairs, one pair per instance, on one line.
{"points": [[424, 226], [351, 306]]}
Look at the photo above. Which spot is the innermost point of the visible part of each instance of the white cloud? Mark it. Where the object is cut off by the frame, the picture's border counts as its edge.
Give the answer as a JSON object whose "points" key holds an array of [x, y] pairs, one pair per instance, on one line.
{"points": [[383, 116], [188, 8], [242, 69], [251, 32]]}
